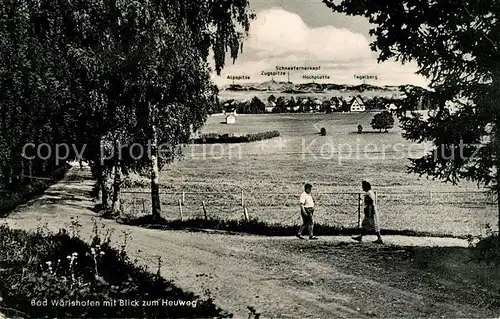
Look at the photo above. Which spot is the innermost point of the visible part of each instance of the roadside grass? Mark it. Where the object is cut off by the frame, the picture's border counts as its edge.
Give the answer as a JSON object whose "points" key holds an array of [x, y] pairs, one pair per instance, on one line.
{"points": [[39, 269], [255, 226], [10, 200]]}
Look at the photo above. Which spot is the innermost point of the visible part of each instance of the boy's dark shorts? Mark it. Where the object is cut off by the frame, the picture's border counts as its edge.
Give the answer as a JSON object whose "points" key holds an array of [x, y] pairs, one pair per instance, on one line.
{"points": [[307, 218]]}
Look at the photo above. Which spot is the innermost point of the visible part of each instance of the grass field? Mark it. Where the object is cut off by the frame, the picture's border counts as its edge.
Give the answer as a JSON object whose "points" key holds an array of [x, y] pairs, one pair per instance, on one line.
{"points": [[271, 175]]}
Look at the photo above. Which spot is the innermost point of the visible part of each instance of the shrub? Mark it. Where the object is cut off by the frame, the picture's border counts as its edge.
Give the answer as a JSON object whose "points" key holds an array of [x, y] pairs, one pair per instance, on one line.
{"points": [[487, 249], [54, 268], [322, 131]]}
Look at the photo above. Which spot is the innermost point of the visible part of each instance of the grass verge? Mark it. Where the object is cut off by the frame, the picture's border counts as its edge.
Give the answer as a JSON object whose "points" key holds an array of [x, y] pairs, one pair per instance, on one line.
{"points": [[257, 227], [9, 201], [44, 275]]}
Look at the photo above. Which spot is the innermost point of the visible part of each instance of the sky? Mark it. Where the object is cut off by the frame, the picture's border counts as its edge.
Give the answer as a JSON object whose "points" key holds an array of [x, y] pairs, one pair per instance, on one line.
{"points": [[307, 33]]}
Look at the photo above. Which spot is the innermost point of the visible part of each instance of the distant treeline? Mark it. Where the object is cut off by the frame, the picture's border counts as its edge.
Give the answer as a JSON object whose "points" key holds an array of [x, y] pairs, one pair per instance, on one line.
{"points": [[287, 87], [213, 138]]}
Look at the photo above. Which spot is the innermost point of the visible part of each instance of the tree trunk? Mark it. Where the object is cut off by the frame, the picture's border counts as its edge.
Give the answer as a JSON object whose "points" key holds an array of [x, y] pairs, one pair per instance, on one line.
{"points": [[497, 146], [16, 173], [117, 178], [498, 201], [95, 170], [102, 181], [497, 177], [155, 188], [51, 165], [6, 175], [103, 188], [24, 178], [37, 167], [496, 141], [116, 187]]}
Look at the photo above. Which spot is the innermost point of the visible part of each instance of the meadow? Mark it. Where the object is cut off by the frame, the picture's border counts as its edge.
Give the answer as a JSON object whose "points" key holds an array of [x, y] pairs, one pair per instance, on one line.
{"points": [[268, 176]]}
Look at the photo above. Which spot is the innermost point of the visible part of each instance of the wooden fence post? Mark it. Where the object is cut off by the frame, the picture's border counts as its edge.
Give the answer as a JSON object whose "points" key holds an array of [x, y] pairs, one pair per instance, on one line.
{"points": [[359, 210], [242, 199], [180, 209], [133, 206], [204, 210], [245, 213], [143, 206], [183, 198], [121, 205]]}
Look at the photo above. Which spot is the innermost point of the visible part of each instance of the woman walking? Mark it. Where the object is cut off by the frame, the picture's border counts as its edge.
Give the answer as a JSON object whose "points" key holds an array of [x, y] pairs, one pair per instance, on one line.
{"points": [[370, 222]]}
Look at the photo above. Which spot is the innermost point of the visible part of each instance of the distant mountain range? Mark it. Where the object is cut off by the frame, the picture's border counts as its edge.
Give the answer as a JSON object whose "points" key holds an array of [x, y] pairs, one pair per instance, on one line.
{"points": [[299, 88]]}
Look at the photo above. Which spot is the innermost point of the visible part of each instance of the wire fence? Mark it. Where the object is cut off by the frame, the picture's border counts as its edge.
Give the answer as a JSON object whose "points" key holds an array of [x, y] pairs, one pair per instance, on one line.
{"points": [[455, 213]]}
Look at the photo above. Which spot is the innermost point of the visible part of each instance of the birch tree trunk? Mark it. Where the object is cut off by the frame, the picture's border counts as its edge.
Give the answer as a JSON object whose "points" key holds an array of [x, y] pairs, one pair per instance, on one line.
{"points": [[116, 187], [496, 140], [155, 188], [102, 180], [497, 164], [117, 177]]}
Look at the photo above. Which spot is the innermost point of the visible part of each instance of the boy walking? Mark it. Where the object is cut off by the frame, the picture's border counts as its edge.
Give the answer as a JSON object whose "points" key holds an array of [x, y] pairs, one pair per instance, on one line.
{"points": [[307, 211]]}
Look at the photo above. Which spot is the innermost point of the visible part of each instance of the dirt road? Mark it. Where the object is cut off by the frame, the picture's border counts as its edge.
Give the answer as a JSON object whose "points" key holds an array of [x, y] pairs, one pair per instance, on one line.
{"points": [[279, 277]]}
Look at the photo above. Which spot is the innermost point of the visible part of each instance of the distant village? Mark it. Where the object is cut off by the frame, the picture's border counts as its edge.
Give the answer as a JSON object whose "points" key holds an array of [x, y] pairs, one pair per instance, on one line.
{"points": [[310, 105]]}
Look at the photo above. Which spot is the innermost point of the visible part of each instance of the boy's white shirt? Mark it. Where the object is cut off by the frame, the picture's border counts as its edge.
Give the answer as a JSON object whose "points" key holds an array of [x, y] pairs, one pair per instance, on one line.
{"points": [[306, 200]]}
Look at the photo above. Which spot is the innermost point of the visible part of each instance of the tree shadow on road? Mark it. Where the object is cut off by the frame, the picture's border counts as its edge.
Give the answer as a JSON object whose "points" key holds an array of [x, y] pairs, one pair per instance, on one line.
{"points": [[449, 275]]}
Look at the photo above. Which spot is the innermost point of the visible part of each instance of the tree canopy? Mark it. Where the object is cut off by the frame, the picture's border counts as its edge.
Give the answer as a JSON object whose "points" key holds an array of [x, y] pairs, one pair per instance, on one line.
{"points": [[100, 74], [382, 121]]}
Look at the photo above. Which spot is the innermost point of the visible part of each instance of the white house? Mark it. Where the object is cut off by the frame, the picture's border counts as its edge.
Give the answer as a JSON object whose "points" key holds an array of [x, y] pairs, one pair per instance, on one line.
{"points": [[230, 119], [357, 105], [270, 107]]}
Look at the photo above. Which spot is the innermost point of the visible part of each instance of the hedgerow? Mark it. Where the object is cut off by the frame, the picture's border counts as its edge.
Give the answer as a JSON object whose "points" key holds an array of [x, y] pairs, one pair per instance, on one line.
{"points": [[213, 138]]}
